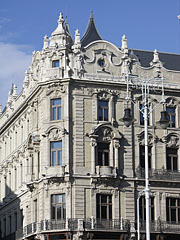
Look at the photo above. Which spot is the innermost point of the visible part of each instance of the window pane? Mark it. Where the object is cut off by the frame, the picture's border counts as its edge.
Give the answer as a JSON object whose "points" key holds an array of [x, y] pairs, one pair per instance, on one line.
{"points": [[100, 158], [103, 103], [60, 157], [105, 114], [59, 113], [55, 63], [103, 212], [56, 101], [100, 118], [56, 145], [59, 198], [106, 157], [59, 211], [175, 163], [53, 210], [103, 199], [173, 202], [173, 214], [53, 160], [110, 212]]}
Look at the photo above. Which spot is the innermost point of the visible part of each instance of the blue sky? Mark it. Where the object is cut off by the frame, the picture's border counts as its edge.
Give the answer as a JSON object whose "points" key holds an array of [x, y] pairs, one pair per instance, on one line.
{"points": [[148, 24]]}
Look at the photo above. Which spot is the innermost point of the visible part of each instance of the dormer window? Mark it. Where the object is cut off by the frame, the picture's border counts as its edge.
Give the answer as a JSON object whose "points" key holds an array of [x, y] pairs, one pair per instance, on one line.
{"points": [[55, 63]]}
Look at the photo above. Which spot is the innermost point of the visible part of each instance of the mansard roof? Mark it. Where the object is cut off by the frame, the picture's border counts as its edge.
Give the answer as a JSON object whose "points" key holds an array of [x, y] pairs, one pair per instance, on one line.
{"points": [[91, 33], [170, 61]]}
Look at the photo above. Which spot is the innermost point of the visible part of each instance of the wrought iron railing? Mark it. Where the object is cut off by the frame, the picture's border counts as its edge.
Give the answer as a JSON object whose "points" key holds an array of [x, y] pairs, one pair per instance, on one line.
{"points": [[158, 174], [161, 226], [74, 225]]}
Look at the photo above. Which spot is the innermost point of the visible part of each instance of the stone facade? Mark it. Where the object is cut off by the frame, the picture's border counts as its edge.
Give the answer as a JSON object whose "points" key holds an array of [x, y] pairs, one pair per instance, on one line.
{"points": [[69, 168]]}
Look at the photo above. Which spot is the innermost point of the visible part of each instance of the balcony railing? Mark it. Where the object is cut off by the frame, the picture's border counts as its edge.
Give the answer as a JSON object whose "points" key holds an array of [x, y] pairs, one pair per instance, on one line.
{"points": [[74, 225], [161, 226], [158, 174]]}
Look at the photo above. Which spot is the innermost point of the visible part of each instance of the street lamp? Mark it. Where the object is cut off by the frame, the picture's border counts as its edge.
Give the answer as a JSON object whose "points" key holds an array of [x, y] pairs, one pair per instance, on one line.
{"points": [[145, 84]]}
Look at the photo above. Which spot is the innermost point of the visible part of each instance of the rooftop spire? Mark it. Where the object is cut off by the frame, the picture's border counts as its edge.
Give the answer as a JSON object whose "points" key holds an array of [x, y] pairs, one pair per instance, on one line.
{"points": [[60, 28], [91, 33]]}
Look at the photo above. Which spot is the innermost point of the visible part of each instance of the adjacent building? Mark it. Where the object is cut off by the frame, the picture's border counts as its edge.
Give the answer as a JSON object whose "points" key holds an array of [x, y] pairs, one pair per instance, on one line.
{"points": [[69, 167]]}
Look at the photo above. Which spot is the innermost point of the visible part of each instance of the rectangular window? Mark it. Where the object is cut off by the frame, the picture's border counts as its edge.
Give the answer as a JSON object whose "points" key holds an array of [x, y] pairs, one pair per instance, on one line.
{"points": [[56, 153], [58, 207], [171, 159], [103, 154], [56, 109], [103, 110], [173, 210], [55, 63], [104, 206], [142, 156], [141, 115], [172, 116], [142, 208]]}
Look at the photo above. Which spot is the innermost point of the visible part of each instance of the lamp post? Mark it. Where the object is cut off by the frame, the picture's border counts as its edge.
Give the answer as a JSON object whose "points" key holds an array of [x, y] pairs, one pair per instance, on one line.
{"points": [[145, 84]]}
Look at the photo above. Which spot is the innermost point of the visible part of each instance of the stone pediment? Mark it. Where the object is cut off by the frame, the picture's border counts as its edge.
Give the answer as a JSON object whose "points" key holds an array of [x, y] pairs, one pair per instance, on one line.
{"points": [[102, 57]]}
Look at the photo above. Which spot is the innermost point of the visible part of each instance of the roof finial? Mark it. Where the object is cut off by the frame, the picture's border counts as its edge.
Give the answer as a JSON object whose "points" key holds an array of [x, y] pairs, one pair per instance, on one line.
{"points": [[124, 42], [60, 27], [156, 56], [46, 41], [77, 37]]}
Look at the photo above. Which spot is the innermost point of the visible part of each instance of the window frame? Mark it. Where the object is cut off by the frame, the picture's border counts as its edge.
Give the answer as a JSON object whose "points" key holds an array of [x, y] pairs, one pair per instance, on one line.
{"points": [[170, 209], [105, 153], [58, 108], [56, 150], [142, 156], [107, 206], [61, 205], [102, 109], [172, 124], [142, 208], [173, 158], [55, 63]]}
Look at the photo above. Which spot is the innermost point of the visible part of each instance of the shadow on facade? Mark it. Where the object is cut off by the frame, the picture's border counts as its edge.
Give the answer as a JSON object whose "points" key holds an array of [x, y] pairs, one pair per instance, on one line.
{"points": [[11, 215]]}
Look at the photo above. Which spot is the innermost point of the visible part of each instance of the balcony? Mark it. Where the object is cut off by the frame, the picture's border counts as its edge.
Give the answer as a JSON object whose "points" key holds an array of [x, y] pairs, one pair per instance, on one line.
{"points": [[158, 174], [161, 227], [92, 224]]}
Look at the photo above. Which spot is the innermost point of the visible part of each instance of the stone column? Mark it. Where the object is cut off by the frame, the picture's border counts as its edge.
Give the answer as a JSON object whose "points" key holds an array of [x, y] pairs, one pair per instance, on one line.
{"points": [[93, 155], [116, 147]]}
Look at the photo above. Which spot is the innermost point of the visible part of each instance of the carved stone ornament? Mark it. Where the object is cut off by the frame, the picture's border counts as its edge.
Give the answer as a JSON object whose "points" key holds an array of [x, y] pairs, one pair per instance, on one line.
{"points": [[105, 133], [103, 92], [55, 133], [171, 140], [151, 139], [57, 88]]}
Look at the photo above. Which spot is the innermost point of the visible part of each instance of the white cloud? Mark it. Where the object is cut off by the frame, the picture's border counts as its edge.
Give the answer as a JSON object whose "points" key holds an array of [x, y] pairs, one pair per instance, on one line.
{"points": [[14, 61]]}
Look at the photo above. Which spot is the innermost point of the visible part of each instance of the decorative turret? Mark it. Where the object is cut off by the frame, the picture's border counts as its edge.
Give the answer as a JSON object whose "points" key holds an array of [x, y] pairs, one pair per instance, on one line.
{"points": [[59, 36], [60, 28]]}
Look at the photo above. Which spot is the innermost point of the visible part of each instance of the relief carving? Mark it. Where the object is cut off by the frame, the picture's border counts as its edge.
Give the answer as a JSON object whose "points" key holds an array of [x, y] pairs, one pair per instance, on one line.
{"points": [[57, 88], [171, 140]]}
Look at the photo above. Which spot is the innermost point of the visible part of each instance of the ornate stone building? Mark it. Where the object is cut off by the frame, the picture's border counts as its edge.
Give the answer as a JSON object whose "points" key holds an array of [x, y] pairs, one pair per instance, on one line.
{"points": [[69, 167]]}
